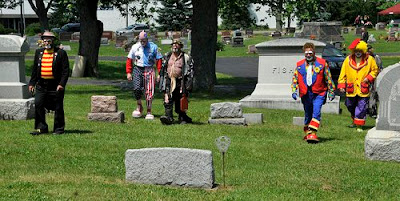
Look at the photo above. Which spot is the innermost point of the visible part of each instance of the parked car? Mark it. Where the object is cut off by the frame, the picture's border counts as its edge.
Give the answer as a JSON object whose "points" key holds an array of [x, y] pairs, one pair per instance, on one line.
{"points": [[70, 27], [335, 59], [134, 28]]}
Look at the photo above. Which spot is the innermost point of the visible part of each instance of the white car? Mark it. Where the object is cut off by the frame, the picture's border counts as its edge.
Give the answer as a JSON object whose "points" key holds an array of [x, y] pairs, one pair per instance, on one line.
{"points": [[134, 28]]}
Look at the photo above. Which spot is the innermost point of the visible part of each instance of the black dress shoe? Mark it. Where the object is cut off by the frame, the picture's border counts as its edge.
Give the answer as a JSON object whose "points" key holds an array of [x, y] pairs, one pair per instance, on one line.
{"points": [[39, 131], [166, 120]]}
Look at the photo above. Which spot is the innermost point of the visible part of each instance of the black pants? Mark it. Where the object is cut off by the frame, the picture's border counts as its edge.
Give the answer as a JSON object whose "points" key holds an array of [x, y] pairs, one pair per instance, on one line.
{"points": [[176, 98], [47, 97]]}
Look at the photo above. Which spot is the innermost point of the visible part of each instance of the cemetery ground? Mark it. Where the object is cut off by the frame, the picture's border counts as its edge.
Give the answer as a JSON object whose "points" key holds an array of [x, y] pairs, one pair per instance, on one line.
{"points": [[264, 162]]}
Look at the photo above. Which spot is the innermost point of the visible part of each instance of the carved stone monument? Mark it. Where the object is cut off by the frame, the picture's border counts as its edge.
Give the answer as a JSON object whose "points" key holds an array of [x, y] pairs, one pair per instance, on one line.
{"points": [[226, 113], [16, 103], [330, 32], [277, 61], [383, 141]]}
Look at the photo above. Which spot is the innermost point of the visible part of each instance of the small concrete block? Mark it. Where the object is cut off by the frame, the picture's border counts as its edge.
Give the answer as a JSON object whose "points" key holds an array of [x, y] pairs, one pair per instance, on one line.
{"points": [[104, 104], [382, 145], [298, 121], [226, 110], [117, 117], [253, 118], [170, 166], [229, 121]]}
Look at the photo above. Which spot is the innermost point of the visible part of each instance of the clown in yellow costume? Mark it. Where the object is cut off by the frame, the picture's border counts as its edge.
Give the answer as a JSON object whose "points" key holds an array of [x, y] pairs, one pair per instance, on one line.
{"points": [[358, 71]]}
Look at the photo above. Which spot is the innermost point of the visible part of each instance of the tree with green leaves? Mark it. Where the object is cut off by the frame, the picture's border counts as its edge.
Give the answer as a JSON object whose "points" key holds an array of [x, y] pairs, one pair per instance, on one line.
{"points": [[175, 15], [63, 12], [8, 3], [235, 14]]}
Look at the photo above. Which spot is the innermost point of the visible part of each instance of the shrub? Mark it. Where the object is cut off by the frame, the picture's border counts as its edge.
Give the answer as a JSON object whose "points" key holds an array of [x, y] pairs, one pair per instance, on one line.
{"points": [[6, 30], [33, 29], [220, 46]]}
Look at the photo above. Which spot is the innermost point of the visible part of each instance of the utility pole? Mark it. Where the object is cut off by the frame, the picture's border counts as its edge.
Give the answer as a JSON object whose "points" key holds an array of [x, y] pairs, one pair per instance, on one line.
{"points": [[22, 23], [127, 14]]}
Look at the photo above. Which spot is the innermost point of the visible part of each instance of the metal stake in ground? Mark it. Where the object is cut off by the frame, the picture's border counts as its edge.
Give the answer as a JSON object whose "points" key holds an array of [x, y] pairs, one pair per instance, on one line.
{"points": [[223, 143]]}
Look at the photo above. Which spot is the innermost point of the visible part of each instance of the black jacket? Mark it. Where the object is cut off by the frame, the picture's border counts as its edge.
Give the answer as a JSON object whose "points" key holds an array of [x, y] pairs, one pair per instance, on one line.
{"points": [[60, 67]]}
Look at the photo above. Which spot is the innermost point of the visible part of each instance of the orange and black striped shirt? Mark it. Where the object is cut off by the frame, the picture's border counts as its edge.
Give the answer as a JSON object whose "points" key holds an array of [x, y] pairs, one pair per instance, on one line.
{"points": [[47, 64]]}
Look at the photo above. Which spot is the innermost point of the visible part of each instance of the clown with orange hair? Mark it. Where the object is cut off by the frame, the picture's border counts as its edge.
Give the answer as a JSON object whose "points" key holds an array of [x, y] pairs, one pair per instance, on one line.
{"points": [[358, 72]]}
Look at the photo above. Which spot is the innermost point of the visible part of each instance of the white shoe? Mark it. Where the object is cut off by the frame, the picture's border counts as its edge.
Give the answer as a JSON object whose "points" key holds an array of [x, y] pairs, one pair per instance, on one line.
{"points": [[149, 117], [136, 114]]}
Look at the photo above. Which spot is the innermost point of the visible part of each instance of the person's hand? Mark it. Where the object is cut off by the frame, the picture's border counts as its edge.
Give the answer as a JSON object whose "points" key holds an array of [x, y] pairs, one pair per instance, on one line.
{"points": [[129, 76], [342, 90], [331, 96], [158, 79], [166, 99], [366, 80], [31, 88], [294, 96], [60, 88]]}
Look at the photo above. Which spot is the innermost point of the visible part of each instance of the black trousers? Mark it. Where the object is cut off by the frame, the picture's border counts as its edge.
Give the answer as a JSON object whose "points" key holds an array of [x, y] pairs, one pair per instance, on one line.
{"points": [[46, 97], [175, 99]]}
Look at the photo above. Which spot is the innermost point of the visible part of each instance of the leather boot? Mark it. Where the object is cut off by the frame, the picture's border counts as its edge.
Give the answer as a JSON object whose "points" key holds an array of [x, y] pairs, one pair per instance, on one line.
{"points": [[167, 119]]}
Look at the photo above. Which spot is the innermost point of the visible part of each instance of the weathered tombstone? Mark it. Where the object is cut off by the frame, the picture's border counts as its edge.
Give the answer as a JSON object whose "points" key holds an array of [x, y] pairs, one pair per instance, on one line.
{"points": [[16, 103], [170, 166], [345, 30], [277, 61], [237, 39], [104, 41], [226, 113], [253, 118], [105, 108], [226, 37], [166, 42], [380, 26], [120, 41], [383, 141], [329, 32], [65, 36], [358, 31], [79, 66], [252, 49], [298, 121], [107, 34], [75, 37], [276, 34], [249, 33], [33, 41]]}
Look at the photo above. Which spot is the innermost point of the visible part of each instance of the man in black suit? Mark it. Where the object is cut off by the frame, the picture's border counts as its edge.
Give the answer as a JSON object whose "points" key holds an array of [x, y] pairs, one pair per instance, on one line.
{"points": [[49, 76], [364, 35]]}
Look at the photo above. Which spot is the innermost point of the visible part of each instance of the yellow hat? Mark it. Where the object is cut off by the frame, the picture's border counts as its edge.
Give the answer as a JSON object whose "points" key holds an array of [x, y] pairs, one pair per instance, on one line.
{"points": [[363, 46]]}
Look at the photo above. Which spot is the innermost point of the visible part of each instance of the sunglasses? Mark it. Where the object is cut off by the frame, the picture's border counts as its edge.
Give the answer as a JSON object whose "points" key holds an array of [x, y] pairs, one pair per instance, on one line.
{"points": [[47, 40]]}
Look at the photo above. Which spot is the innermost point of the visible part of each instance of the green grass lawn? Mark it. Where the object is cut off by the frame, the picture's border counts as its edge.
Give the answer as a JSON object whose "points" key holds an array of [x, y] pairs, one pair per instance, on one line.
{"points": [[264, 162]]}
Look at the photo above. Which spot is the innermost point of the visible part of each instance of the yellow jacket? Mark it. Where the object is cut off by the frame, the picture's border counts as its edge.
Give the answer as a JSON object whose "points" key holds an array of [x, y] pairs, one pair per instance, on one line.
{"points": [[352, 76]]}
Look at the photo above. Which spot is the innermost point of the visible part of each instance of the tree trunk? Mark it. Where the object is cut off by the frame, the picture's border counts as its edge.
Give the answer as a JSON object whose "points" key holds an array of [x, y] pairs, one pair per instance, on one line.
{"points": [[204, 39], [41, 11], [43, 20], [90, 35], [278, 16]]}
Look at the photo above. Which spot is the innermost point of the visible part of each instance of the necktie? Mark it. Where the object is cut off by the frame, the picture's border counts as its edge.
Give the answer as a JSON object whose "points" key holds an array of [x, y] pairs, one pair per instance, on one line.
{"points": [[309, 74]]}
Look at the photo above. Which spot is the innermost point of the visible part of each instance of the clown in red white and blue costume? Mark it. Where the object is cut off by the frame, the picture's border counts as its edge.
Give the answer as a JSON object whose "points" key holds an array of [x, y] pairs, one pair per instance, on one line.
{"points": [[312, 80]]}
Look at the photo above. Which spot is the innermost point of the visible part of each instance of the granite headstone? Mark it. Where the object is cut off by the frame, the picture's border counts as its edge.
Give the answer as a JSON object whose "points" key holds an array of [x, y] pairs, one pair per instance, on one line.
{"points": [[16, 103], [383, 141], [277, 61]]}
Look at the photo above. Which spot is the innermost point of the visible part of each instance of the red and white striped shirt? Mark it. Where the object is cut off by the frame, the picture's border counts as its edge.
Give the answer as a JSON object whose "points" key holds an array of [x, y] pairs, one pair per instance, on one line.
{"points": [[47, 64]]}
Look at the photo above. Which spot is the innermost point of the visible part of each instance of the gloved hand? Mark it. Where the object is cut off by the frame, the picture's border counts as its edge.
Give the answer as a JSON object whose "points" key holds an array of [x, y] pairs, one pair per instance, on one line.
{"points": [[331, 96], [294, 96]]}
